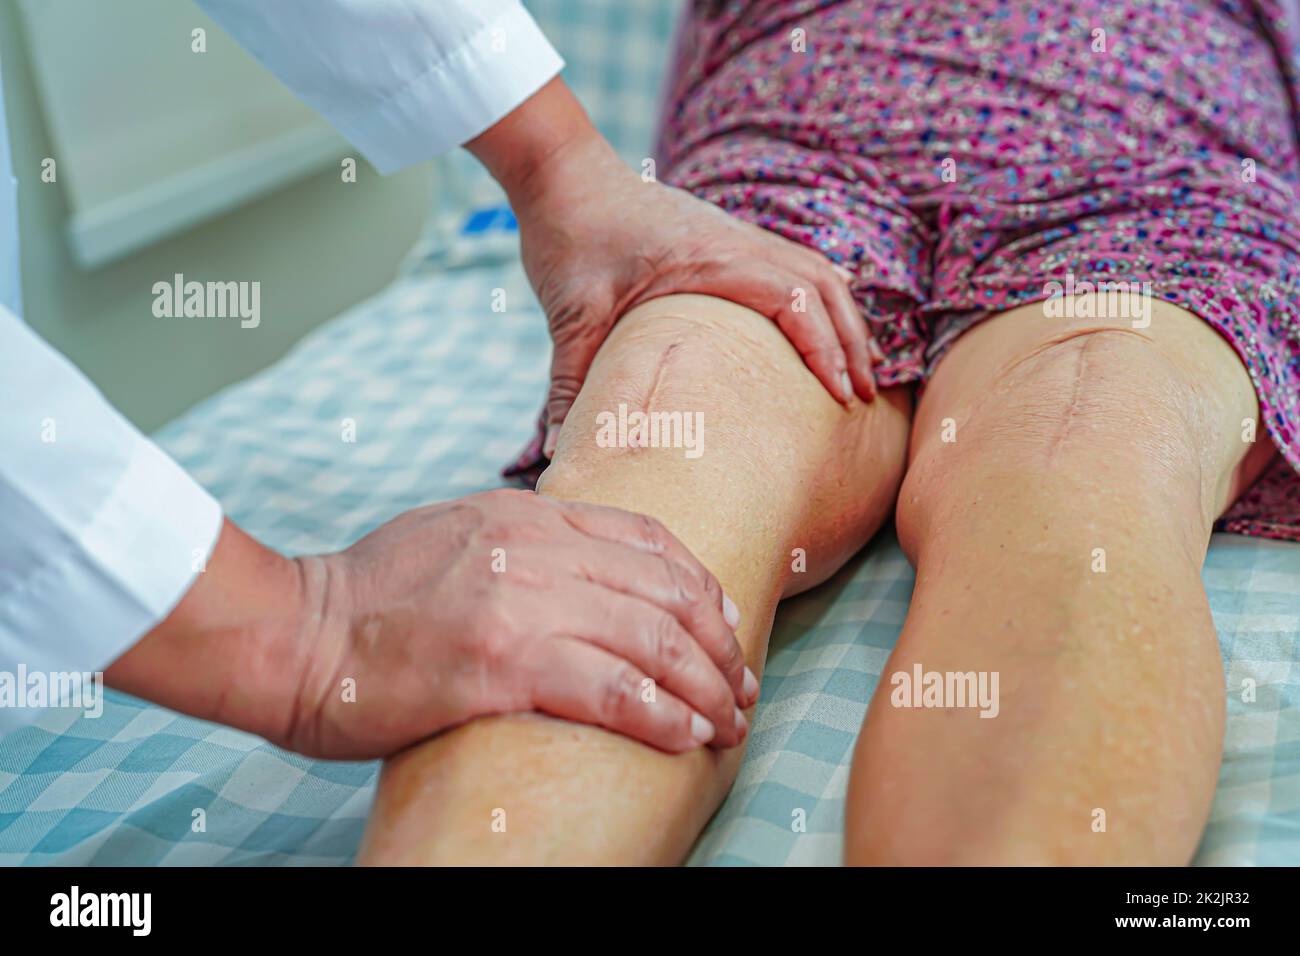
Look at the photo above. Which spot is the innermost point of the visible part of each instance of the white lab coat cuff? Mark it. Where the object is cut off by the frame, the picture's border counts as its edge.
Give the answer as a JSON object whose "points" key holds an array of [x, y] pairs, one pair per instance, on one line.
{"points": [[492, 72], [97, 594]]}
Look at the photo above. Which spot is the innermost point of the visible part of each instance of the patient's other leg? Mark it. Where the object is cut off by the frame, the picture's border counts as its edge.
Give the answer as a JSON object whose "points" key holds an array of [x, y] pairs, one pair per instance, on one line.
{"points": [[1058, 542], [783, 466]]}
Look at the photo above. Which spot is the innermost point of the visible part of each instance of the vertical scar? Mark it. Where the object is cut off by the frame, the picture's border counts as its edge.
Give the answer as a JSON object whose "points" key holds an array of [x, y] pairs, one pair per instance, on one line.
{"points": [[660, 366], [1072, 409], [645, 404], [1080, 368]]}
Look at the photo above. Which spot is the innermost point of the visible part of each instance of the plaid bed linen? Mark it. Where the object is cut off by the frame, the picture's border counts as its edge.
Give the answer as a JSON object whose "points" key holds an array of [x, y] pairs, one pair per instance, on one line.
{"points": [[442, 390]]}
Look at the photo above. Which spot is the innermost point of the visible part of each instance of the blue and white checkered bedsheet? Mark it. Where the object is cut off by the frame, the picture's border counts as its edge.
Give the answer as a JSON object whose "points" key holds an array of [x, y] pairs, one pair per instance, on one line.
{"points": [[442, 390]]}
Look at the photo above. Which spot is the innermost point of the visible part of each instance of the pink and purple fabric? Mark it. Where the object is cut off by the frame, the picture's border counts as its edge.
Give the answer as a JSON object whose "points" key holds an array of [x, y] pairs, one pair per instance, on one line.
{"points": [[959, 156]]}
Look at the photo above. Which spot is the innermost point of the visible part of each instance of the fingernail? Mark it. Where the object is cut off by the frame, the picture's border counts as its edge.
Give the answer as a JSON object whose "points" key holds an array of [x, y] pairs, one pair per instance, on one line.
{"points": [[701, 729], [846, 386], [845, 274], [730, 612], [742, 725], [750, 685], [552, 439], [876, 351]]}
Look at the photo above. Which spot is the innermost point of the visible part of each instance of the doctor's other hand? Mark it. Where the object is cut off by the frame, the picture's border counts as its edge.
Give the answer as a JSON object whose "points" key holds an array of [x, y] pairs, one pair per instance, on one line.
{"points": [[499, 602], [598, 238]]}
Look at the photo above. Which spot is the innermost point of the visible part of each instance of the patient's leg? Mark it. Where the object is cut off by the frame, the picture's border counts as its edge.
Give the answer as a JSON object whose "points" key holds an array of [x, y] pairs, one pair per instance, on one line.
{"points": [[783, 467], [1058, 541]]}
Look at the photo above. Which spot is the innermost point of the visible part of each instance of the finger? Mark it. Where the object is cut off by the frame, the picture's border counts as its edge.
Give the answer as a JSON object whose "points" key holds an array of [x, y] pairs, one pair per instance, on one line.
{"points": [[576, 680], [842, 306], [654, 642], [661, 581], [576, 344], [815, 336], [559, 399], [852, 330], [648, 534], [877, 353]]}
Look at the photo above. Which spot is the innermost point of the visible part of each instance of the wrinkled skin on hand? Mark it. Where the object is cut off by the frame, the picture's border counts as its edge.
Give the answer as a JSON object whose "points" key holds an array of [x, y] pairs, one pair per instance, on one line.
{"points": [[506, 601]]}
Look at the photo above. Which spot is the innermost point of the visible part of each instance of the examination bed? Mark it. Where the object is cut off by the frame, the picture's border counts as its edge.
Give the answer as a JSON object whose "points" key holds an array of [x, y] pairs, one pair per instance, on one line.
{"points": [[442, 391]]}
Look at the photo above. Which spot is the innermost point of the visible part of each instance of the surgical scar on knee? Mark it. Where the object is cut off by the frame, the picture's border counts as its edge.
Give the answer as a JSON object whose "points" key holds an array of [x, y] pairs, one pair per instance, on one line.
{"points": [[1066, 337], [661, 365], [1082, 379], [643, 421]]}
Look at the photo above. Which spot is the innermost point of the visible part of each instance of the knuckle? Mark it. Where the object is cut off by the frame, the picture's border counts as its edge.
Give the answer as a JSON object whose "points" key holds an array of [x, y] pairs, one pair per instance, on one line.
{"points": [[491, 642], [495, 531], [652, 532], [816, 301], [620, 693], [826, 270], [564, 388], [576, 331], [669, 643], [683, 589], [732, 658], [816, 265], [825, 353], [858, 349], [565, 314], [722, 701]]}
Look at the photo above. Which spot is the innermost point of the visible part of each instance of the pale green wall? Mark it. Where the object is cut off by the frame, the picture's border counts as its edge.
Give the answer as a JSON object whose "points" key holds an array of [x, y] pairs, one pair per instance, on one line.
{"points": [[317, 247]]}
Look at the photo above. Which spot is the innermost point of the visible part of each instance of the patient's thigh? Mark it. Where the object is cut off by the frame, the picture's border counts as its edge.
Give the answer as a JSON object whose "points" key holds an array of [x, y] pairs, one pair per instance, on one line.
{"points": [[781, 466]]}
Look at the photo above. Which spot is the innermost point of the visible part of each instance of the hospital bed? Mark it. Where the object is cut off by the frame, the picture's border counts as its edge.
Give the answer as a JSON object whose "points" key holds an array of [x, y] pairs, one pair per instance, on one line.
{"points": [[441, 390]]}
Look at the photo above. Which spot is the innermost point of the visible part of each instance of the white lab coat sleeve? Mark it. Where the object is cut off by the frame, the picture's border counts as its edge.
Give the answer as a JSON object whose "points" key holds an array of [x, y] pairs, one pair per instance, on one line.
{"points": [[101, 533], [404, 80]]}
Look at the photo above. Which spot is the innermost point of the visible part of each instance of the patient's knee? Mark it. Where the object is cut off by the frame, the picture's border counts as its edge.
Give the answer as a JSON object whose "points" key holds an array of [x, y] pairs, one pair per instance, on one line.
{"points": [[696, 346], [678, 378], [1092, 389], [1084, 392], [1088, 413]]}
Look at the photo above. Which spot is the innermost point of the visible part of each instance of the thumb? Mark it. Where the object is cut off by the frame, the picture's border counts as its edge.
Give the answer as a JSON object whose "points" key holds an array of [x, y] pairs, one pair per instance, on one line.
{"points": [[569, 367]]}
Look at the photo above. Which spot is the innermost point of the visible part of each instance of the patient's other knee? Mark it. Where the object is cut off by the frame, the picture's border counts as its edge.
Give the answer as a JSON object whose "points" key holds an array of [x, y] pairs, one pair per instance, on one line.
{"points": [[1089, 390], [1071, 397], [1088, 414]]}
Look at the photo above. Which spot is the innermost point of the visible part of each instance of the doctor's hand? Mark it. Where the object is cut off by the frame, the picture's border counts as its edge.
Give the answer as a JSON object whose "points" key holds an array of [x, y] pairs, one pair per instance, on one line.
{"points": [[499, 602], [597, 240]]}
